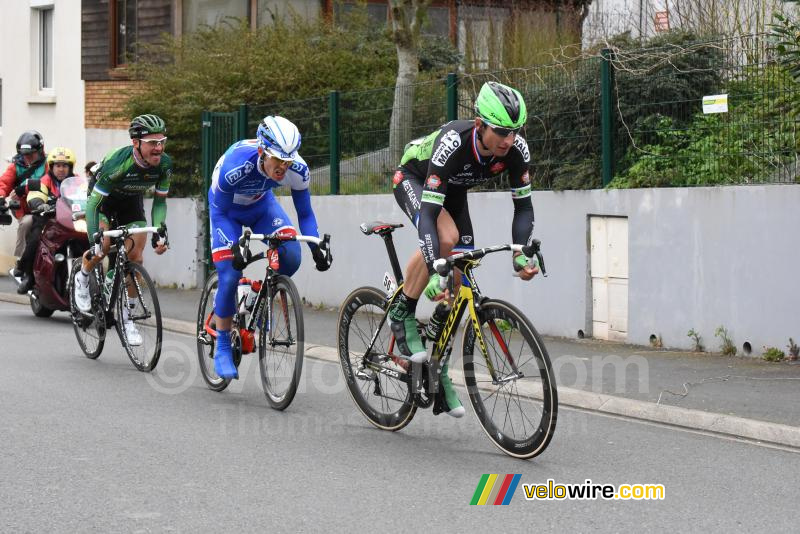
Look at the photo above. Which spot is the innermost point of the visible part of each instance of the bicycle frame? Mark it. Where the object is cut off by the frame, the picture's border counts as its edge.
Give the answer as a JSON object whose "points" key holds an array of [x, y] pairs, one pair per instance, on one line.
{"points": [[119, 237], [468, 299], [265, 293]]}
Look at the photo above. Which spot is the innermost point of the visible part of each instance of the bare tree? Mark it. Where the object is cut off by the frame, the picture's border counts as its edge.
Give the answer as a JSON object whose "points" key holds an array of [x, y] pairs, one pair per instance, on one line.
{"points": [[407, 18]]}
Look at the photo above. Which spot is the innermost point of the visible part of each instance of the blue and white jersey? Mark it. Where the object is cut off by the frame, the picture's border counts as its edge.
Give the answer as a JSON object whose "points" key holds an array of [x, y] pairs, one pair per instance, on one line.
{"points": [[238, 173]]}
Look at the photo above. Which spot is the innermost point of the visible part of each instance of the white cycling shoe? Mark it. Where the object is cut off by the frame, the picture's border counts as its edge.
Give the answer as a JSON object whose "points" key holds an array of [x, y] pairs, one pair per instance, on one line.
{"points": [[132, 333], [83, 300]]}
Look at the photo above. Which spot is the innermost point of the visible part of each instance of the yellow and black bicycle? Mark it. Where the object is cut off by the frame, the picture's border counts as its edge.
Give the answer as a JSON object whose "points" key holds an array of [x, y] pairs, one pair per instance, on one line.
{"points": [[506, 368]]}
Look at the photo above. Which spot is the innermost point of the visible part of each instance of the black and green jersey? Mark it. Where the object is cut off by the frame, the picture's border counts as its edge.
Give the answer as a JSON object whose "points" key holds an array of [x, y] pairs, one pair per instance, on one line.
{"points": [[121, 177], [447, 163]]}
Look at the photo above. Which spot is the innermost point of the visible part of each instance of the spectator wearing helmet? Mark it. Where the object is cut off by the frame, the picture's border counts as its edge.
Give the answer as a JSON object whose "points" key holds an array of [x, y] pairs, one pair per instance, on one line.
{"points": [[60, 163], [117, 193], [29, 162], [431, 185], [241, 195]]}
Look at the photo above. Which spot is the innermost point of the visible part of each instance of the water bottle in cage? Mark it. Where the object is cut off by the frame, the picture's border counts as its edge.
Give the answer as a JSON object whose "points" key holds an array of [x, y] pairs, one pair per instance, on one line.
{"points": [[242, 292], [437, 320]]}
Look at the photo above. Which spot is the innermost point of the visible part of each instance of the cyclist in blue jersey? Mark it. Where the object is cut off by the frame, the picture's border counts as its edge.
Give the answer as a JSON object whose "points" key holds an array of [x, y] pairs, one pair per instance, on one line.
{"points": [[241, 195]]}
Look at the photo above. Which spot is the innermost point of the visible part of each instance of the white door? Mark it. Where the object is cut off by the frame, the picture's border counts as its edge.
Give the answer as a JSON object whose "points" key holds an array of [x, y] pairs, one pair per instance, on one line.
{"points": [[609, 271]]}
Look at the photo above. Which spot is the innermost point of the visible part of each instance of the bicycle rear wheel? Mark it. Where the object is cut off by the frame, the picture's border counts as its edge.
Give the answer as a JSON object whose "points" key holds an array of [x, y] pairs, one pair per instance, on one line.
{"points": [[138, 298], [511, 386], [90, 328], [377, 381], [281, 344]]}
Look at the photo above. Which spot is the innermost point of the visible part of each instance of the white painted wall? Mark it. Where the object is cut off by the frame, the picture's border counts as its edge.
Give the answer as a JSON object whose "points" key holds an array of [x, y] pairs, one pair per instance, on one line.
{"points": [[57, 114], [101, 141], [698, 258]]}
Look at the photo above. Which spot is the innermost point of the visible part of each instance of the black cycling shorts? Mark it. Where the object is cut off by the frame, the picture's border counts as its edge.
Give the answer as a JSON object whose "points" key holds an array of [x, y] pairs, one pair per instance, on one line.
{"points": [[408, 194], [123, 211]]}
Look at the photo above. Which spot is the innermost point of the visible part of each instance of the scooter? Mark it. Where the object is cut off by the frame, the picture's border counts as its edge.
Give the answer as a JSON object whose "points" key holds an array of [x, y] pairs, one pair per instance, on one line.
{"points": [[63, 239]]}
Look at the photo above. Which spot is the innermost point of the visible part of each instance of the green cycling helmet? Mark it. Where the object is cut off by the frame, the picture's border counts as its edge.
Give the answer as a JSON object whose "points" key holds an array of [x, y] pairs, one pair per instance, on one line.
{"points": [[501, 106], [145, 125]]}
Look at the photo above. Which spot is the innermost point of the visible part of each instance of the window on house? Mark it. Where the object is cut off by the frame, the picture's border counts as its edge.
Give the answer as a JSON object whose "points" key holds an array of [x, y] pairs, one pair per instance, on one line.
{"points": [[45, 56], [126, 30], [199, 13], [438, 22], [480, 36], [377, 13], [269, 10]]}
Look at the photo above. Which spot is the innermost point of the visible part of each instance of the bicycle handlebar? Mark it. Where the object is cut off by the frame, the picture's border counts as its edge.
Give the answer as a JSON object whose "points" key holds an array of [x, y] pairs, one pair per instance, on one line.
{"points": [[443, 266], [125, 232], [242, 257]]}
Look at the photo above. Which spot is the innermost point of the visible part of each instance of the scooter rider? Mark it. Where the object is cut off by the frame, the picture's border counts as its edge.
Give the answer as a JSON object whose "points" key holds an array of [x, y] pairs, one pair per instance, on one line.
{"points": [[60, 162], [29, 162]]}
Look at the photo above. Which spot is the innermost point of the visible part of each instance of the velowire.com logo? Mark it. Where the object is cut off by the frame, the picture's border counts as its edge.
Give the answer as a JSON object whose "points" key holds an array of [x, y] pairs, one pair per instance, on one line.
{"points": [[495, 489]]}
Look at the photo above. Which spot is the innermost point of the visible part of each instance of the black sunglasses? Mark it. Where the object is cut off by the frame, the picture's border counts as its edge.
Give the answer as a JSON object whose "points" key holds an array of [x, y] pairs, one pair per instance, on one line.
{"points": [[504, 132]]}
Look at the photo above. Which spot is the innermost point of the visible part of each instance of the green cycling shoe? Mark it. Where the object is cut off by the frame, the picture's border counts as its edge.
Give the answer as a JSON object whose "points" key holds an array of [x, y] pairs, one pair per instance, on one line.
{"points": [[453, 405], [404, 327]]}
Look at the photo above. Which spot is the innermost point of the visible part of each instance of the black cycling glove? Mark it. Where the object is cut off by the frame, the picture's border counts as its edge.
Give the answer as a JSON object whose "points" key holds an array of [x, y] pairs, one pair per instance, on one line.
{"points": [[322, 258]]}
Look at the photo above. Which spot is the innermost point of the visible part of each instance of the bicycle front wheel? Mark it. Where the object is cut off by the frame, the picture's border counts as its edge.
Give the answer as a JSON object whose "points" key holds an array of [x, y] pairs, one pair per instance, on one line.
{"points": [[206, 335], [377, 379], [511, 385], [281, 343], [90, 328], [139, 317]]}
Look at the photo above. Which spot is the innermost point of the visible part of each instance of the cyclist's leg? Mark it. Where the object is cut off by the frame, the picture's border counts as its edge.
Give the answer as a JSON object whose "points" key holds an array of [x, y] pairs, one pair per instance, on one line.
{"points": [[459, 209], [407, 193], [402, 314], [128, 211], [83, 299], [273, 217], [108, 210], [224, 232]]}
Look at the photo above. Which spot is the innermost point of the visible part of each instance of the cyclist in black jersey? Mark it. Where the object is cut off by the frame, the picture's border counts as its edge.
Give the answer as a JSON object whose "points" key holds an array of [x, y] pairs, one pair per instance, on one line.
{"points": [[431, 186]]}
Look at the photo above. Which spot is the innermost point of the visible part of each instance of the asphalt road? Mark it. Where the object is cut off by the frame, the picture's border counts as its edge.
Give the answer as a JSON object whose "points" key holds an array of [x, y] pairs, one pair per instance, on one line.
{"points": [[96, 445]]}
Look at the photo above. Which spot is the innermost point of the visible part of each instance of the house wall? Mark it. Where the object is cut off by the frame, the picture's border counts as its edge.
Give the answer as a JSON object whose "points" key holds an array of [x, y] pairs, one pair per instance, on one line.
{"points": [[56, 113]]}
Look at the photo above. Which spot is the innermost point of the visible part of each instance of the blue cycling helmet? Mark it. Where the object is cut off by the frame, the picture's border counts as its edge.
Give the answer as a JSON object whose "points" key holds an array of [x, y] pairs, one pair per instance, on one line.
{"points": [[278, 137]]}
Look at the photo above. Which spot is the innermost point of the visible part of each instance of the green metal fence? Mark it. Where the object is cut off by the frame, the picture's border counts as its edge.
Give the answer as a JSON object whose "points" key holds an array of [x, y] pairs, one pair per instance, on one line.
{"points": [[625, 117], [220, 130], [665, 139]]}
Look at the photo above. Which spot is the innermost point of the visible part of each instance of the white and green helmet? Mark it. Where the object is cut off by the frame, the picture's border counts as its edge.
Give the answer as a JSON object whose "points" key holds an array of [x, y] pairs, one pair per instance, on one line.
{"points": [[145, 125], [500, 105]]}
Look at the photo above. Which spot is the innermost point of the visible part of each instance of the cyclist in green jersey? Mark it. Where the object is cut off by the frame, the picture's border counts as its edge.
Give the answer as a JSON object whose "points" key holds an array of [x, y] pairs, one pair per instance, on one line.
{"points": [[117, 191]]}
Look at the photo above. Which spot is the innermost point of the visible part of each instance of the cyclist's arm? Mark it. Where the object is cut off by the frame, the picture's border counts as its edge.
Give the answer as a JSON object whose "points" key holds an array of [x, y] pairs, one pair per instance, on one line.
{"points": [[93, 212], [433, 195], [158, 212], [102, 187], [522, 224], [305, 214]]}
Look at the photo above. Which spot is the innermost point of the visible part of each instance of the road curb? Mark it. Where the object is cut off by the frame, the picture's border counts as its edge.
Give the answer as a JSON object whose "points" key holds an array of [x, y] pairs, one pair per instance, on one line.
{"points": [[727, 425]]}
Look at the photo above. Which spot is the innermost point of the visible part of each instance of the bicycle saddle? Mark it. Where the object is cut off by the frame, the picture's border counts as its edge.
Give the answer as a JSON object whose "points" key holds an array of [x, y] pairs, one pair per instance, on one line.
{"points": [[378, 227]]}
